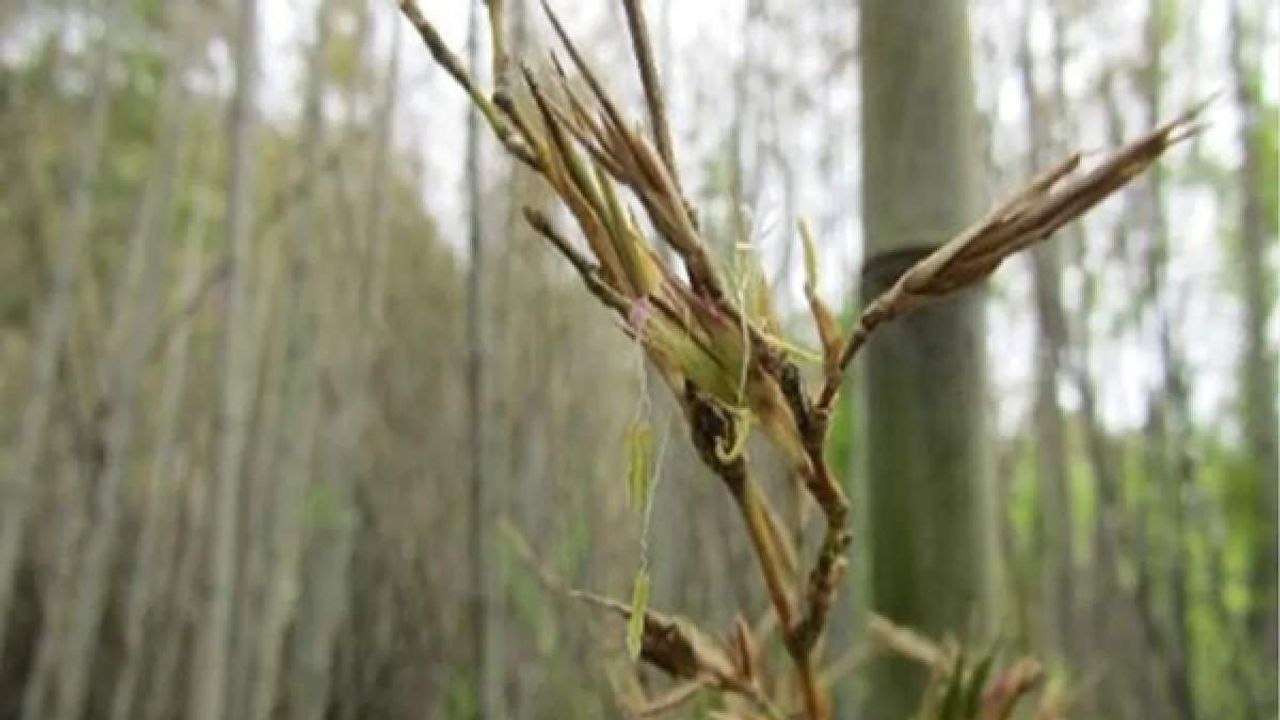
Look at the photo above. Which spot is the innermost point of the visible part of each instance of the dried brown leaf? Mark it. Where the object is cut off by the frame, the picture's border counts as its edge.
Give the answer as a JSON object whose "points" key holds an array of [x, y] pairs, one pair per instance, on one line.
{"points": [[673, 644]]}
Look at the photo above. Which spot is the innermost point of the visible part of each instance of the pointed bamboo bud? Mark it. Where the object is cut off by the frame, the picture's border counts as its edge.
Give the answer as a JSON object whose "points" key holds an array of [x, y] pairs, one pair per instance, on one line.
{"points": [[630, 247], [828, 329]]}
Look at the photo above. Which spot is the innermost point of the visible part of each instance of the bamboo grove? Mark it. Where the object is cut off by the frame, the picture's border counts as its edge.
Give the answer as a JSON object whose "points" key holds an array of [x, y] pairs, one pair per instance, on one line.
{"points": [[721, 354], [374, 360]]}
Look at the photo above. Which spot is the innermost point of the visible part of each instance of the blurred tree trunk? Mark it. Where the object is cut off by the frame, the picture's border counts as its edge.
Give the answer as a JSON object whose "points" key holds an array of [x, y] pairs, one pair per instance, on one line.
{"points": [[157, 537], [1169, 464], [209, 679], [292, 443], [477, 357], [181, 624], [58, 601], [180, 534], [741, 191], [15, 502], [132, 332], [926, 441], [1258, 381], [263, 479], [1057, 560], [327, 569], [508, 434], [1121, 620]]}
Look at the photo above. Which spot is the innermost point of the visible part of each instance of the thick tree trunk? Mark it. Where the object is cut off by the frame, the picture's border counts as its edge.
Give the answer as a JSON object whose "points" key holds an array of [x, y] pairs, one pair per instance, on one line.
{"points": [[926, 442]]}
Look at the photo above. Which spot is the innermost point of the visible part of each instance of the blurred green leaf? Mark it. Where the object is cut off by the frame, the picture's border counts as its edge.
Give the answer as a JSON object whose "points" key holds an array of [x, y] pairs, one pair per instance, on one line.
{"points": [[639, 451], [639, 603]]}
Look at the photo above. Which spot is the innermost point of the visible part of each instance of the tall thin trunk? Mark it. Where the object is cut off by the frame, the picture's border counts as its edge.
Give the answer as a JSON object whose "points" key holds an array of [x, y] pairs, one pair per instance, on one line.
{"points": [[326, 564], [58, 601], [319, 565], [183, 619], [926, 442], [266, 481], [209, 678], [1258, 371], [1169, 434], [503, 444], [1057, 597], [134, 326], [741, 191], [371, 290], [154, 542], [477, 540], [52, 332], [356, 461], [293, 442]]}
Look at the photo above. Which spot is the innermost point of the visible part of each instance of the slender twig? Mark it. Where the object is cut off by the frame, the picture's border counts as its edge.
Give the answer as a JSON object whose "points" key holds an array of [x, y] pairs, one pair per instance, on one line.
{"points": [[452, 64], [867, 322], [712, 430], [588, 271], [672, 699], [653, 95], [498, 44]]}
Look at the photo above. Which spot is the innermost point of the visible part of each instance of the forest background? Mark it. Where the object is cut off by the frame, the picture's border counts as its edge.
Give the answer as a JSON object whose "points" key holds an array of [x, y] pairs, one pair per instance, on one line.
{"points": [[296, 413]]}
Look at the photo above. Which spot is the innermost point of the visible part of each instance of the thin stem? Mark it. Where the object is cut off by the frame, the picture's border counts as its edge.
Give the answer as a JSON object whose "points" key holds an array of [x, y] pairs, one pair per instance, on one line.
{"points": [[809, 693], [589, 272], [755, 515], [445, 58], [498, 42], [653, 95], [867, 323], [752, 506]]}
